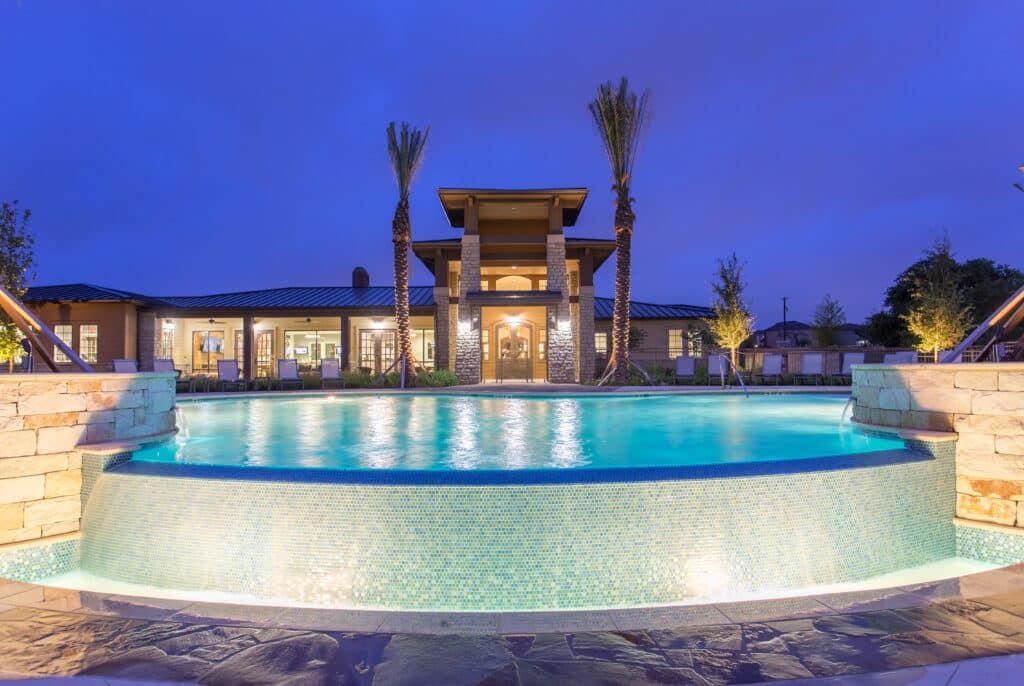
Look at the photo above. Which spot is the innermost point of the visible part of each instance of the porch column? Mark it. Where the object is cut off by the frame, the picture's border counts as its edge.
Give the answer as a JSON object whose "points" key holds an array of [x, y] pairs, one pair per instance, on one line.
{"points": [[441, 311], [467, 337], [248, 353], [346, 342], [586, 316], [147, 334], [561, 365]]}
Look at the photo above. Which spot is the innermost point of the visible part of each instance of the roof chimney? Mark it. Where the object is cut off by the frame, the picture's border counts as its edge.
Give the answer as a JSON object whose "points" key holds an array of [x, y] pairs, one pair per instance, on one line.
{"points": [[360, 278]]}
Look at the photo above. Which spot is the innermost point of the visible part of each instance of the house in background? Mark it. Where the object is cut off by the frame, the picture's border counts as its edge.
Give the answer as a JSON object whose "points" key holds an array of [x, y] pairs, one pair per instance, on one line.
{"points": [[512, 299], [799, 334]]}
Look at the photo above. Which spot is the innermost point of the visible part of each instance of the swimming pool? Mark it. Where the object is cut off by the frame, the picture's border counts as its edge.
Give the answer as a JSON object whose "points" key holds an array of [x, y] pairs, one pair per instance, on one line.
{"points": [[410, 432], [449, 502]]}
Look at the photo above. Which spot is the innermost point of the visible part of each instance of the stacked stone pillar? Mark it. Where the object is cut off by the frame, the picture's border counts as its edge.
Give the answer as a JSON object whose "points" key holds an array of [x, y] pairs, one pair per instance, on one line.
{"points": [[561, 353], [467, 336], [441, 327]]}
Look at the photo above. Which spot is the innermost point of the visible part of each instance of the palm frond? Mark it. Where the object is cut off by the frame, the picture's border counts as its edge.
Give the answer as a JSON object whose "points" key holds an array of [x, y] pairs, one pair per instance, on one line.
{"points": [[405, 149], [620, 117]]}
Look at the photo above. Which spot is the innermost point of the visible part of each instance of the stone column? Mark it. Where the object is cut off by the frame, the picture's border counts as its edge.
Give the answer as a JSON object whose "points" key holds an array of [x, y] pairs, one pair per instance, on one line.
{"points": [[586, 317], [441, 357], [148, 336], [561, 365], [346, 342], [248, 349], [467, 337]]}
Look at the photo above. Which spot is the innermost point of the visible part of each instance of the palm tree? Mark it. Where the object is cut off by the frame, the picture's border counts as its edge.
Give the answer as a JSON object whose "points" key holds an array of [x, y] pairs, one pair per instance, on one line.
{"points": [[620, 117], [406, 152]]}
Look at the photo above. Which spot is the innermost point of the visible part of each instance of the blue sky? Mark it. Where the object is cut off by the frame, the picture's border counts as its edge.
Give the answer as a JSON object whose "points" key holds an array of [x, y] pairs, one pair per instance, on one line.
{"points": [[180, 148]]}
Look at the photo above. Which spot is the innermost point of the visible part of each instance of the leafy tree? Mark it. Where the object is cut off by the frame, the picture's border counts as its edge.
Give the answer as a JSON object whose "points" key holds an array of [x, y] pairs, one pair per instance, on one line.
{"points": [[828, 319], [732, 323], [620, 117], [16, 260], [405, 150], [886, 328], [939, 315]]}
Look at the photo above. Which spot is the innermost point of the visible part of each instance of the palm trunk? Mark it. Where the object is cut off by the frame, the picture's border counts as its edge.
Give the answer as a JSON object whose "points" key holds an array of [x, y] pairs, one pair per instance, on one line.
{"points": [[401, 230], [620, 314]]}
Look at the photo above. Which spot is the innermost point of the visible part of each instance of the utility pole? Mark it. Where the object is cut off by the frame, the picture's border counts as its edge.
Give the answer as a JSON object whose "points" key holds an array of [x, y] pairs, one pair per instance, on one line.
{"points": [[784, 310]]}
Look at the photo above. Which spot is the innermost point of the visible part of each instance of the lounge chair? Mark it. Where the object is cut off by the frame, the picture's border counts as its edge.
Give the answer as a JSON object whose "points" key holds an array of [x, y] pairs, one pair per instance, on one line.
{"points": [[686, 368], [717, 369], [901, 357], [845, 375], [811, 368], [288, 373], [771, 367], [167, 365], [958, 358], [228, 376], [330, 372], [126, 367]]}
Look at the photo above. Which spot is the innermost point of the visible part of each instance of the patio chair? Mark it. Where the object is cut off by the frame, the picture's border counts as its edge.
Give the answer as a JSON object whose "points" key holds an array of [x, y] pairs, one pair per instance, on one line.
{"points": [[685, 368], [717, 367], [126, 367], [958, 358], [288, 373], [901, 357], [811, 368], [845, 375], [330, 372], [228, 376], [167, 365], [771, 367]]}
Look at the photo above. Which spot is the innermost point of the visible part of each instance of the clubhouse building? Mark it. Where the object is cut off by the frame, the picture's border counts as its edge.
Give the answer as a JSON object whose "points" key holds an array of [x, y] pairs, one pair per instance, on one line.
{"points": [[512, 300]]}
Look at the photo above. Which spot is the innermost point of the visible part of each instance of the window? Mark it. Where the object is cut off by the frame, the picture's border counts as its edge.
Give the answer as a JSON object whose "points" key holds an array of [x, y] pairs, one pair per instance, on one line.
{"points": [[240, 349], [64, 333], [264, 352], [675, 343], [207, 350], [542, 344], [89, 342], [309, 347], [601, 343], [542, 284], [694, 343], [485, 344], [423, 347], [167, 340]]}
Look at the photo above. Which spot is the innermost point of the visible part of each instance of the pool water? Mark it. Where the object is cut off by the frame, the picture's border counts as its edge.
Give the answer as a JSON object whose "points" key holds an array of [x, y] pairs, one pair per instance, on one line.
{"points": [[452, 432]]}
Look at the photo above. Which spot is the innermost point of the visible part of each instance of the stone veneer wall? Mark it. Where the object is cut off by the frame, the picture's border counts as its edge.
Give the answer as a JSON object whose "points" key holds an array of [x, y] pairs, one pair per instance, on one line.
{"points": [[43, 417], [982, 403]]}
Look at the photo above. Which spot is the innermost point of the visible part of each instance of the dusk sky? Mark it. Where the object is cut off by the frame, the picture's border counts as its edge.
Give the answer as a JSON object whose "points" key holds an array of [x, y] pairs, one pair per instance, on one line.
{"points": [[187, 148]]}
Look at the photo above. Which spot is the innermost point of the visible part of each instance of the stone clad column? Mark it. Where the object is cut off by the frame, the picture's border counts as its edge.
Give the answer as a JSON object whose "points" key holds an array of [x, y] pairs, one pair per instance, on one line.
{"points": [[441, 311], [561, 365], [467, 337], [147, 335], [248, 349], [586, 317]]}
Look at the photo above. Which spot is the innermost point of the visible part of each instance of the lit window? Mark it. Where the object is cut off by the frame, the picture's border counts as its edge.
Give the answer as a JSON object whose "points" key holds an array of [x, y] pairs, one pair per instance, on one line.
{"points": [[167, 340], [89, 342], [601, 342], [240, 348], [675, 343], [485, 344], [63, 332], [542, 284], [694, 343], [542, 344]]}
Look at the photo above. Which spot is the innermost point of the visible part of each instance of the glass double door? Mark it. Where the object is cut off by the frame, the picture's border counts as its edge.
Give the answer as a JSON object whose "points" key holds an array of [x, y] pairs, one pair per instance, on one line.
{"points": [[377, 349]]}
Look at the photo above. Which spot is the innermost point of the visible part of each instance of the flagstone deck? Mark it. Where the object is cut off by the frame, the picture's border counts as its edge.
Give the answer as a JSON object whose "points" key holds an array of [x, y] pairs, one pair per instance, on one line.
{"points": [[53, 632]]}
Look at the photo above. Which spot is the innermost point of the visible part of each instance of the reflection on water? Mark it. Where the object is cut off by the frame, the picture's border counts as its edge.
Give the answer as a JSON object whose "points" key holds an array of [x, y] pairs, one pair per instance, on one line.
{"points": [[465, 432]]}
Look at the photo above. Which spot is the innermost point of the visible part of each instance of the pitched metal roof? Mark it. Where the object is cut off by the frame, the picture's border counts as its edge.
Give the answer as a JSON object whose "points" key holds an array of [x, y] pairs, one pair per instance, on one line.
{"points": [[603, 310], [81, 292], [298, 297]]}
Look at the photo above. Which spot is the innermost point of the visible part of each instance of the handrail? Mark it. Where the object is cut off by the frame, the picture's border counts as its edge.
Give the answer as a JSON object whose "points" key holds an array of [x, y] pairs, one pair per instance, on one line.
{"points": [[739, 377]]}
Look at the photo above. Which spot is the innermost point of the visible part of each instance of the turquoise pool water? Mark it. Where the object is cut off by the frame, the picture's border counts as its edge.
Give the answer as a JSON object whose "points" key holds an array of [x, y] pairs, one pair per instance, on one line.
{"points": [[437, 432]]}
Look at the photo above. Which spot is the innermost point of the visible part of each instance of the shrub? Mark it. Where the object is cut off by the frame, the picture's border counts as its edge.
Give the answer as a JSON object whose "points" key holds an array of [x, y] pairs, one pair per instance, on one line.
{"points": [[437, 378]]}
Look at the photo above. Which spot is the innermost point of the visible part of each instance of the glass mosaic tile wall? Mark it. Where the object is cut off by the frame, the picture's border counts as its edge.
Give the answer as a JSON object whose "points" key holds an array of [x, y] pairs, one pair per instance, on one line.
{"points": [[518, 546]]}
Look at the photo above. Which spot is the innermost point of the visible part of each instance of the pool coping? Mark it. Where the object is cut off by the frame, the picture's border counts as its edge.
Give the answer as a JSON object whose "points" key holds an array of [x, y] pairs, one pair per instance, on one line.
{"points": [[971, 587]]}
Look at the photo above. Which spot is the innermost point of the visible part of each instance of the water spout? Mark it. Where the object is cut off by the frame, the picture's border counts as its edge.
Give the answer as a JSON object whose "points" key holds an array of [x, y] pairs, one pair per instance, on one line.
{"points": [[179, 422], [852, 402]]}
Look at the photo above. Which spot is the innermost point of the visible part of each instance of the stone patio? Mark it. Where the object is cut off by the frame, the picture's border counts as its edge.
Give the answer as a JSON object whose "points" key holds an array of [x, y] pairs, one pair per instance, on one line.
{"points": [[53, 632]]}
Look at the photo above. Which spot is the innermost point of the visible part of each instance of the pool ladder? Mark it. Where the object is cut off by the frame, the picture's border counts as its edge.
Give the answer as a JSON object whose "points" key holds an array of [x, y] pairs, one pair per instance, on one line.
{"points": [[727, 362]]}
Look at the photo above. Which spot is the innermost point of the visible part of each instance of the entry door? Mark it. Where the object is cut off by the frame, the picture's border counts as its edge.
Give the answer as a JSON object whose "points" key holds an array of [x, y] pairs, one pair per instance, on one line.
{"points": [[514, 351]]}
